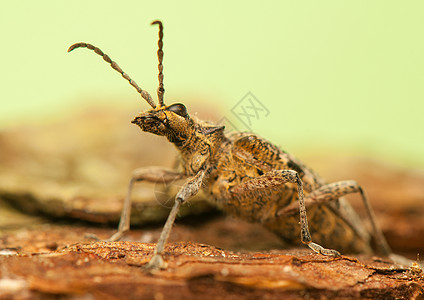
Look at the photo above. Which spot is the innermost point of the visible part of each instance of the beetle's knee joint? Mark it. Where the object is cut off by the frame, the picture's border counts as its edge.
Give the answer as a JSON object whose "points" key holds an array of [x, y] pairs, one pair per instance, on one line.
{"points": [[180, 200]]}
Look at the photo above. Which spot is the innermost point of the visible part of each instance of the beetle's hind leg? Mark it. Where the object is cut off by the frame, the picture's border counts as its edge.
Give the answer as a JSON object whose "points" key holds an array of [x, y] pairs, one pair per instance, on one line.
{"points": [[274, 179], [334, 191]]}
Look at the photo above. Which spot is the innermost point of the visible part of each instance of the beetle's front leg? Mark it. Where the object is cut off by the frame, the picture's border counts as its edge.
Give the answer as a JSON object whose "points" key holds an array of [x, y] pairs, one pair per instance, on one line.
{"points": [[189, 189], [274, 179], [149, 174]]}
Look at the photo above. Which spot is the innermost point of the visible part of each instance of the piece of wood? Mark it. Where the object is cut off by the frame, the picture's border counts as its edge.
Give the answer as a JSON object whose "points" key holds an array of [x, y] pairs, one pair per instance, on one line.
{"points": [[113, 270]]}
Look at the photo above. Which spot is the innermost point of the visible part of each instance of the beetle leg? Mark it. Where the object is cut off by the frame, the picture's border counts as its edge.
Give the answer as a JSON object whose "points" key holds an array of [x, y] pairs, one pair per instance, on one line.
{"points": [[334, 191], [189, 189], [149, 174], [277, 178]]}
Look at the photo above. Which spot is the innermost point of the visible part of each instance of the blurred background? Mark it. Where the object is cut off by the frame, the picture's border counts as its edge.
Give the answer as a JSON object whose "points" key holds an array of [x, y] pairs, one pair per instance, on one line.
{"points": [[323, 76]]}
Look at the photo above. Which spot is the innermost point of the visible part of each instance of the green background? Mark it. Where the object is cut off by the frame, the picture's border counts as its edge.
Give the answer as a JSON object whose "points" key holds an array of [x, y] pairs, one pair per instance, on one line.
{"points": [[337, 76]]}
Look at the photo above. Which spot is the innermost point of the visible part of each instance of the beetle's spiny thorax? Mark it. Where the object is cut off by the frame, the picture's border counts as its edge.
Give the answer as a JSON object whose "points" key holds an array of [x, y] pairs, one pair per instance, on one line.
{"points": [[200, 149]]}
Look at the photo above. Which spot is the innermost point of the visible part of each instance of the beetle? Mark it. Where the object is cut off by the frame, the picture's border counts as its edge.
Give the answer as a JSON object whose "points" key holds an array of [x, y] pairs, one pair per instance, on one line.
{"points": [[247, 177]]}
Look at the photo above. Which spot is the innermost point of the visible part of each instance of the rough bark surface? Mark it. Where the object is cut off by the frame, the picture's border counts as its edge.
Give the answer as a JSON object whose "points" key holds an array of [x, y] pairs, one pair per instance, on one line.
{"points": [[114, 271]]}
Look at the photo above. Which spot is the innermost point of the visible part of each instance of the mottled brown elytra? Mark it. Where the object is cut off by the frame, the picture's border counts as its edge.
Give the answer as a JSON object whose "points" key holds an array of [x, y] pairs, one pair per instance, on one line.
{"points": [[247, 177]]}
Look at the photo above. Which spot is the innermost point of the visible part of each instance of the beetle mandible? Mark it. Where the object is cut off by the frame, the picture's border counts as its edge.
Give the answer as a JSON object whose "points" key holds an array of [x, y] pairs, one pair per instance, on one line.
{"points": [[247, 177]]}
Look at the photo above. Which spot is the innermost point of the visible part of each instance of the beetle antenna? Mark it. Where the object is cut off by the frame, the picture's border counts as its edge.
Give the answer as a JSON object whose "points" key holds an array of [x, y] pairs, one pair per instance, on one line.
{"points": [[161, 89], [146, 96]]}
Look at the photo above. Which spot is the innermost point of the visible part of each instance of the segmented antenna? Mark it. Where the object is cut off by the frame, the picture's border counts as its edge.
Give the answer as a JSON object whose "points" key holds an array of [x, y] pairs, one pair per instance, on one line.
{"points": [[146, 96], [161, 89]]}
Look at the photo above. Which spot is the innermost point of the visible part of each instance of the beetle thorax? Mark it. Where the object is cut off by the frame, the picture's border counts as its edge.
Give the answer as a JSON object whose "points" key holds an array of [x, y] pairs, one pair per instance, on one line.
{"points": [[201, 148]]}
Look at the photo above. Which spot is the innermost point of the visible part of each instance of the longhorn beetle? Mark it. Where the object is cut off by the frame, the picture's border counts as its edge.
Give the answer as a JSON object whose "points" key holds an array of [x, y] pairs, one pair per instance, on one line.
{"points": [[247, 177]]}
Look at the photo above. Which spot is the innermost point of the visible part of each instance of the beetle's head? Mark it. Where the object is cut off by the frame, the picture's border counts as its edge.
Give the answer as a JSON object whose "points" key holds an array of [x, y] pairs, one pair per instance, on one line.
{"points": [[171, 121]]}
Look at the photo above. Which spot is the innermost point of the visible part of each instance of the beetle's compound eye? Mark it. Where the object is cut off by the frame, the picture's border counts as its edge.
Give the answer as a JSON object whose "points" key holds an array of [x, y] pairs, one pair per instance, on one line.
{"points": [[179, 109]]}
